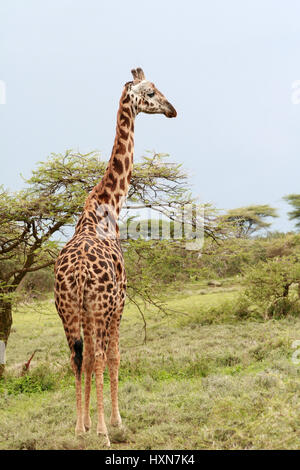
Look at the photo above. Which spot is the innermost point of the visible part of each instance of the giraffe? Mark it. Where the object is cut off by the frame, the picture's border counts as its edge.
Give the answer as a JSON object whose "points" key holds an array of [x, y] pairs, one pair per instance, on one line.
{"points": [[90, 278]]}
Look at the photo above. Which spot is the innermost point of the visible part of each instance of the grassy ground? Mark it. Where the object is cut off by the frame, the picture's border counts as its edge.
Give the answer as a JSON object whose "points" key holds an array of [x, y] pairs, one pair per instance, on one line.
{"points": [[202, 380]]}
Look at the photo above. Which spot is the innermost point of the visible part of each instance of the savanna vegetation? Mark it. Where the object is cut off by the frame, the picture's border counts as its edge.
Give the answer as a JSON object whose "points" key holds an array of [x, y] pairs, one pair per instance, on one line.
{"points": [[209, 355]]}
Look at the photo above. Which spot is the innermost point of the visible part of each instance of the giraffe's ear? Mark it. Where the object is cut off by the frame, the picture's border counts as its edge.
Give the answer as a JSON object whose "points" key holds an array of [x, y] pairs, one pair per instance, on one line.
{"points": [[138, 74]]}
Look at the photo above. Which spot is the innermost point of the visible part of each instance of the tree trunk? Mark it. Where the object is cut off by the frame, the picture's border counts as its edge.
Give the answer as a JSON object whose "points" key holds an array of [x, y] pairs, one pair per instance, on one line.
{"points": [[5, 325]]}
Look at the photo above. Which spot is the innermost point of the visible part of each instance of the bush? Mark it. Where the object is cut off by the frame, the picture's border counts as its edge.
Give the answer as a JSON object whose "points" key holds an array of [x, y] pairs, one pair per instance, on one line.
{"points": [[38, 283], [271, 286], [232, 256], [39, 380]]}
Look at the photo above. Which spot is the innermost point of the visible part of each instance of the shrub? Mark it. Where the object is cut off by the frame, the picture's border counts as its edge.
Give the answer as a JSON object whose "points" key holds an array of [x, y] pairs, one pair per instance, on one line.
{"points": [[39, 380], [37, 283], [269, 286]]}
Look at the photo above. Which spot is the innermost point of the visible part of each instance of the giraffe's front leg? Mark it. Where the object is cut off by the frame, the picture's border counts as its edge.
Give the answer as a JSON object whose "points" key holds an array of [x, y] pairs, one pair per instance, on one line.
{"points": [[99, 369], [87, 389], [113, 365], [113, 362]]}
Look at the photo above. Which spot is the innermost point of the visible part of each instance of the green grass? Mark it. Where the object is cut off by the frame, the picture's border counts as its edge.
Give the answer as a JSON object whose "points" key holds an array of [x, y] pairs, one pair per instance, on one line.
{"points": [[203, 380]]}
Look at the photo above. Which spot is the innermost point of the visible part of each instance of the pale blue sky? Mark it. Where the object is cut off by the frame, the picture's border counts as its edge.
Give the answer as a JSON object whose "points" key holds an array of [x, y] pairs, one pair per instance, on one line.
{"points": [[226, 65]]}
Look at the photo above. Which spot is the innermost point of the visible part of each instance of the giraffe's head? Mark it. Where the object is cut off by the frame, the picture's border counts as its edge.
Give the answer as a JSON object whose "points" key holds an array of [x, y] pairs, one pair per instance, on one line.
{"points": [[146, 98]]}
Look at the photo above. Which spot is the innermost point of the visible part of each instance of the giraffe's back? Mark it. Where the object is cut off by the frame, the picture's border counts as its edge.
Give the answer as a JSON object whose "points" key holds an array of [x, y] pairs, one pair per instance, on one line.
{"points": [[90, 284]]}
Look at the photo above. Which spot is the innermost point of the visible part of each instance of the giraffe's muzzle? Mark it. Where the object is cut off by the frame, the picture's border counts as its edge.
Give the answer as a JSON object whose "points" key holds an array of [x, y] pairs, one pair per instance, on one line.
{"points": [[170, 111]]}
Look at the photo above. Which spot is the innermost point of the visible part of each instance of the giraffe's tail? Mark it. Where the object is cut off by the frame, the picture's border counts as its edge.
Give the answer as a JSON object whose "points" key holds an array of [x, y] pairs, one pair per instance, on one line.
{"points": [[81, 275]]}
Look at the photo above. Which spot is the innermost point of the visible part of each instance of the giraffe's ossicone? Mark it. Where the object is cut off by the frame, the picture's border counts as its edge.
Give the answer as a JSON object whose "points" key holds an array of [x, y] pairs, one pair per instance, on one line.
{"points": [[90, 279]]}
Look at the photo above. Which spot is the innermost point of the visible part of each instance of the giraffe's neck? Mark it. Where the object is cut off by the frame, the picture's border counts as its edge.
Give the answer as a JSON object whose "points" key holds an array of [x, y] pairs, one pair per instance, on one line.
{"points": [[113, 188]]}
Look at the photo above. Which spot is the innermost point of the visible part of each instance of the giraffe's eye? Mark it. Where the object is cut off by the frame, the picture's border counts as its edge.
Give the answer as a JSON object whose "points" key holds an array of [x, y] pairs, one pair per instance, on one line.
{"points": [[151, 94]]}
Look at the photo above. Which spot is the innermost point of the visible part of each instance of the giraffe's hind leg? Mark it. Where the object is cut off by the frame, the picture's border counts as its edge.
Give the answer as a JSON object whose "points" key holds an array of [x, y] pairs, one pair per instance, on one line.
{"points": [[76, 363], [88, 367], [76, 347]]}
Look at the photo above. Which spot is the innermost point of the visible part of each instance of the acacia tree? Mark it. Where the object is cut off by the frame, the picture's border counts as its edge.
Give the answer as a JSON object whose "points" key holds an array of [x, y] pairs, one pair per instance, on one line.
{"points": [[52, 200], [245, 221], [294, 201]]}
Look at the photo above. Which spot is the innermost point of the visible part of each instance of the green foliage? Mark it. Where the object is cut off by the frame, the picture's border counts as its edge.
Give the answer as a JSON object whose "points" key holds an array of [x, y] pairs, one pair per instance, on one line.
{"points": [[247, 220], [232, 256], [69, 177], [6, 293], [39, 380], [36, 284], [273, 286], [294, 201], [153, 264]]}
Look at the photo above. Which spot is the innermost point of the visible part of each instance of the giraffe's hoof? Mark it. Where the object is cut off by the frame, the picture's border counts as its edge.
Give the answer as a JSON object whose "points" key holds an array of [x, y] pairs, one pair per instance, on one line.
{"points": [[87, 424], [116, 421], [79, 430], [104, 439]]}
